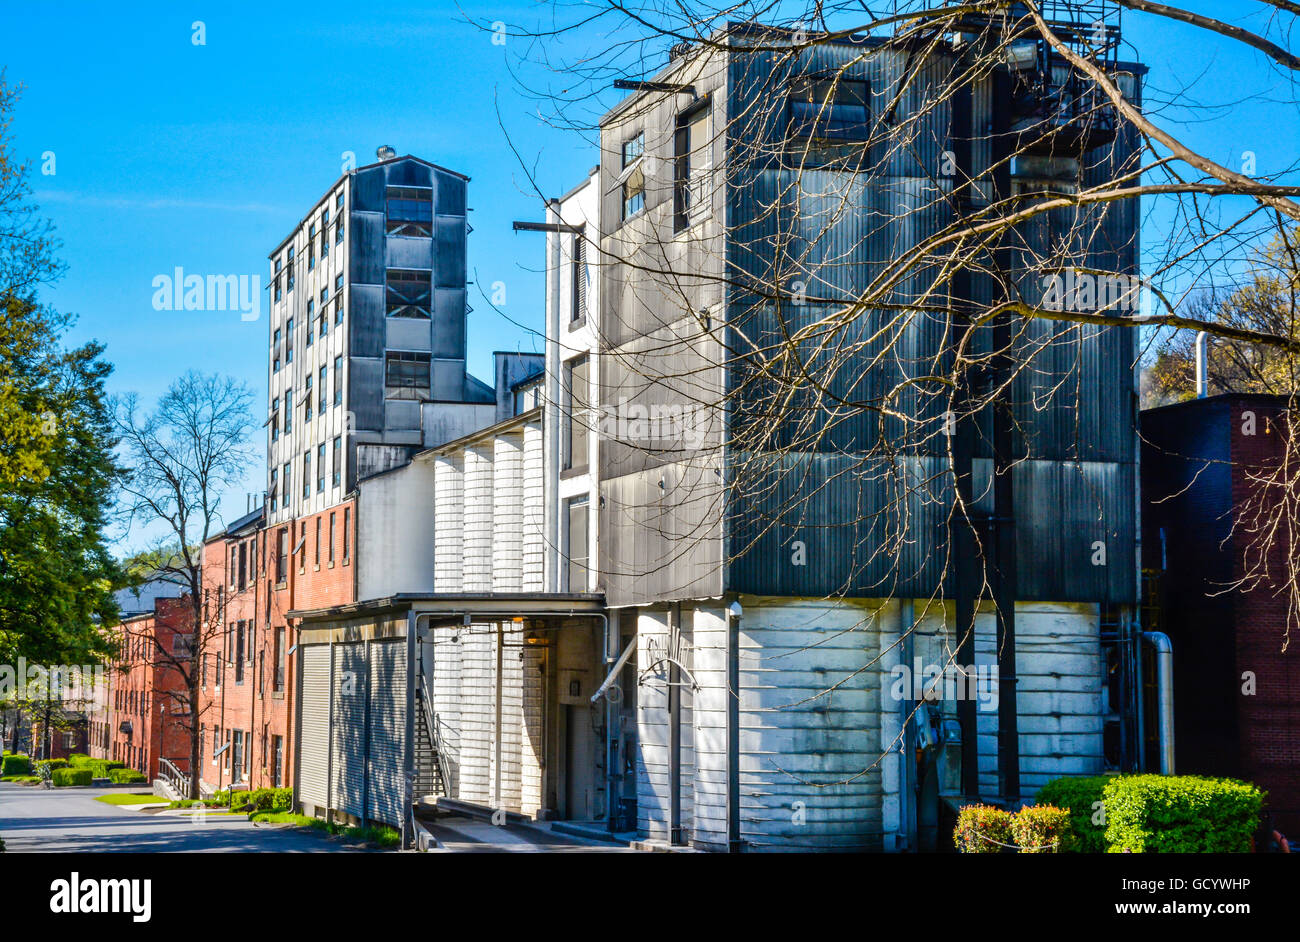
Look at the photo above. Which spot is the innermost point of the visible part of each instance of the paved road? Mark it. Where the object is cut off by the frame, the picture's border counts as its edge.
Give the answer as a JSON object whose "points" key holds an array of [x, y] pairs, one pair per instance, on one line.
{"points": [[38, 820]]}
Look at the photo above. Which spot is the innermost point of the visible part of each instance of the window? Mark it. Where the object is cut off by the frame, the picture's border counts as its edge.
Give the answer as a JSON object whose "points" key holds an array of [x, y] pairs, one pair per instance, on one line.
{"points": [[829, 108], [574, 416], [282, 555], [576, 543], [338, 299], [331, 555], [633, 175], [277, 680], [288, 341], [322, 322], [311, 309], [409, 211], [338, 464], [320, 480], [338, 200], [275, 351], [306, 476], [690, 166], [408, 293], [307, 401], [633, 148], [338, 381], [216, 742], [277, 759], [252, 559], [347, 535], [410, 370], [324, 296], [634, 192], [301, 549], [289, 266], [275, 418], [578, 294], [234, 567], [239, 653], [237, 756], [243, 566], [288, 410], [323, 391], [287, 484], [316, 563]]}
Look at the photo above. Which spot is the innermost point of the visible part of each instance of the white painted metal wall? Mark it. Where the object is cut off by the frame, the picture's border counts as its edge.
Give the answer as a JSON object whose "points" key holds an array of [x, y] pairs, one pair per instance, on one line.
{"points": [[449, 529], [817, 711]]}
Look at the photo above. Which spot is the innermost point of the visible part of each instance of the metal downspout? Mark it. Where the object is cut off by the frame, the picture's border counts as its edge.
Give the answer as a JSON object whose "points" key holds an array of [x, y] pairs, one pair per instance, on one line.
{"points": [[1164, 649]]}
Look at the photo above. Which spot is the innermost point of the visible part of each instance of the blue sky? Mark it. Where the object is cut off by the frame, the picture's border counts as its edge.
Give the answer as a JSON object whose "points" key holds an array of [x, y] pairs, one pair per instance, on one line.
{"points": [[169, 154]]}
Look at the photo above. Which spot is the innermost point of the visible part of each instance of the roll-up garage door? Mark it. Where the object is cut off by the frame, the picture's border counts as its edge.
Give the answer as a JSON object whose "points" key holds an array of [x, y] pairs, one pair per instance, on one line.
{"points": [[351, 680], [314, 737], [387, 730]]}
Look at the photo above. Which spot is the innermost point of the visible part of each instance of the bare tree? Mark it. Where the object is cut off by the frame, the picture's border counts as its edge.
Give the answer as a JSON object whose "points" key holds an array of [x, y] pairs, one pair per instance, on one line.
{"points": [[889, 299], [181, 457]]}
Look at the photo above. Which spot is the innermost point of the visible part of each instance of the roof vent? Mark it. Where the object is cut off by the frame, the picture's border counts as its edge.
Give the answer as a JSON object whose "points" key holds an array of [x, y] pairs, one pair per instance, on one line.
{"points": [[678, 51], [385, 152]]}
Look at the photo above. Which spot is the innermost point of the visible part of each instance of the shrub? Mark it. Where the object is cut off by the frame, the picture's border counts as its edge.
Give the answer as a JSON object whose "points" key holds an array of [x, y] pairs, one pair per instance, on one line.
{"points": [[15, 765], [79, 761], [1081, 796], [1042, 829], [102, 767], [121, 776], [241, 800], [64, 777], [1162, 814], [982, 829], [51, 764]]}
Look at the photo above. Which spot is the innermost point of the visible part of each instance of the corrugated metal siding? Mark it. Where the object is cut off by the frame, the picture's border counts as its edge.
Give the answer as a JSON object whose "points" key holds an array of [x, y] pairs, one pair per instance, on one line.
{"points": [[449, 529], [387, 730], [477, 572], [313, 746], [507, 514], [350, 680], [840, 231], [534, 545]]}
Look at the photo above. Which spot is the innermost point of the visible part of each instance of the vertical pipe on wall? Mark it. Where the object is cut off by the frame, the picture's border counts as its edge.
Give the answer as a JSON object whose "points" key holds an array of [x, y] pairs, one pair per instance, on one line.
{"points": [[551, 463], [408, 732], [906, 839], [674, 729], [961, 522], [734, 613]]}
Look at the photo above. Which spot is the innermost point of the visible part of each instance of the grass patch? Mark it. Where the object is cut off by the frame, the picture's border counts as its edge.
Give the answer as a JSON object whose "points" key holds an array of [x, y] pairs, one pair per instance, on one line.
{"points": [[377, 834], [21, 779], [129, 799], [285, 817]]}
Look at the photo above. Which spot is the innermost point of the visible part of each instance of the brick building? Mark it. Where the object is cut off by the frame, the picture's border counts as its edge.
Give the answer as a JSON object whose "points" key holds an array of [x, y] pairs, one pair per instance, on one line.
{"points": [[253, 576], [1237, 705], [146, 716]]}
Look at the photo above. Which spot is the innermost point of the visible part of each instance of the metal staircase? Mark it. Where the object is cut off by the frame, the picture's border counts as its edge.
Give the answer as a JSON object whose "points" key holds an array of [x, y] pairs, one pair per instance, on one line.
{"points": [[430, 778]]}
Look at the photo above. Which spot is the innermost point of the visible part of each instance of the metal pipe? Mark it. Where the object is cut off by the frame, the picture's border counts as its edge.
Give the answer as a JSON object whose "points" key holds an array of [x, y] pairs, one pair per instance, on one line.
{"points": [[1164, 649], [734, 613], [551, 510], [674, 732], [1202, 351], [906, 839]]}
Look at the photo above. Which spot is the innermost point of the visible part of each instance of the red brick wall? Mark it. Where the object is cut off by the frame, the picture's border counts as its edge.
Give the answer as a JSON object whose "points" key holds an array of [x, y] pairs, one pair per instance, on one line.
{"points": [[254, 707], [1268, 722], [141, 691]]}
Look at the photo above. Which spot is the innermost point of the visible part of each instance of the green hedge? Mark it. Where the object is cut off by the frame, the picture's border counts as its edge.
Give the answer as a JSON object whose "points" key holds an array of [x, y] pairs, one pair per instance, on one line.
{"points": [[79, 761], [102, 767], [51, 764], [64, 777], [122, 776], [1081, 796], [15, 765], [1188, 814]]}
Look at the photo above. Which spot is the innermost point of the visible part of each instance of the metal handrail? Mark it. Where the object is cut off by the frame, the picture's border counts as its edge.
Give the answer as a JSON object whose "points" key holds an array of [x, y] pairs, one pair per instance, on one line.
{"points": [[178, 780]]}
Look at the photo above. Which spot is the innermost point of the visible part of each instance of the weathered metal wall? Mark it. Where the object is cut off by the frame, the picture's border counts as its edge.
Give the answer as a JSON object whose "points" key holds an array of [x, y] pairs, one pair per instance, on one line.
{"points": [[838, 230]]}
